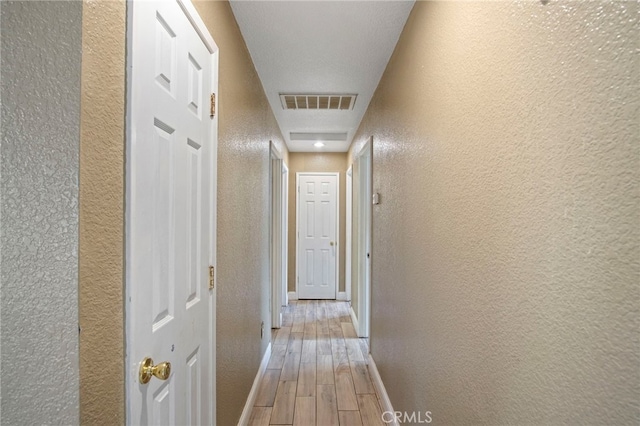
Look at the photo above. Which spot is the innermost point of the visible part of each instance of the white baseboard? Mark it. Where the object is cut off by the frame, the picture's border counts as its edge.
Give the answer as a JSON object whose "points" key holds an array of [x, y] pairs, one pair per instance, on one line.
{"points": [[354, 319], [385, 402], [253, 394], [292, 295], [342, 295]]}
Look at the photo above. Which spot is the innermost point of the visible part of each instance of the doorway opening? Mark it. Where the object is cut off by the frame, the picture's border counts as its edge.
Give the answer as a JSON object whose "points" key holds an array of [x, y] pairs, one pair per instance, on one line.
{"points": [[361, 239], [278, 177]]}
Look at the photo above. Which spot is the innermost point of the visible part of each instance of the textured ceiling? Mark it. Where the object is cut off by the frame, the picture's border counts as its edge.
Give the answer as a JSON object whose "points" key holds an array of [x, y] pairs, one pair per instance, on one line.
{"points": [[320, 47]]}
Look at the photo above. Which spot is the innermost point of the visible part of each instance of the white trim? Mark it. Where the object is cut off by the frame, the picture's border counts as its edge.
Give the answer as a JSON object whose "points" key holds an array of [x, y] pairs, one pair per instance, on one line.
{"points": [[198, 25], [342, 295], [292, 295], [277, 230], [385, 402], [364, 241], [354, 318], [348, 232], [338, 242], [285, 234], [253, 394]]}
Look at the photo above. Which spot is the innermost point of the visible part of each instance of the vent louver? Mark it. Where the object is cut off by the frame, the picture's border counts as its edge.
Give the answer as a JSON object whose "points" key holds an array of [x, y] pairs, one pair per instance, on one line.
{"points": [[318, 101], [318, 136]]}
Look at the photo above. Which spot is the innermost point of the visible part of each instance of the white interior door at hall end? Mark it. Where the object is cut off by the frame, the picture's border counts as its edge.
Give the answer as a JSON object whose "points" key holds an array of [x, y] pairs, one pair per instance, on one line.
{"points": [[317, 236], [170, 216]]}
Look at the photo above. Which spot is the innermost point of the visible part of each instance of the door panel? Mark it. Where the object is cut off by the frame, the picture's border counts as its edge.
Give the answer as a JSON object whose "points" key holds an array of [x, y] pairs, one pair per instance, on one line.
{"points": [[169, 217], [317, 241]]}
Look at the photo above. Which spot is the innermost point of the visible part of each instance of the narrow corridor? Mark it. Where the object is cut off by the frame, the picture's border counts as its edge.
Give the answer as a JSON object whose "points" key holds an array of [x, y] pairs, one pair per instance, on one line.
{"points": [[317, 373]]}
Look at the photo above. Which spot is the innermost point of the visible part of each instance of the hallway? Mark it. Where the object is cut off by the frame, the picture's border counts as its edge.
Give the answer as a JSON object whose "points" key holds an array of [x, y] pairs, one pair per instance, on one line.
{"points": [[317, 373], [505, 246]]}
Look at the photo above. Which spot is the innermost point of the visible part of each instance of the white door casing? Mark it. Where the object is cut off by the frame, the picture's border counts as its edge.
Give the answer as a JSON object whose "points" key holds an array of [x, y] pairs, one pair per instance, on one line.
{"points": [[364, 240], [276, 236], [170, 218], [285, 234], [317, 226], [348, 232]]}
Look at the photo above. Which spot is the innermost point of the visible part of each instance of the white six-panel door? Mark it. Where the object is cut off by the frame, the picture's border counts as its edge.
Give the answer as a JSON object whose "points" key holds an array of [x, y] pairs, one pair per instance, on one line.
{"points": [[170, 214], [317, 235]]}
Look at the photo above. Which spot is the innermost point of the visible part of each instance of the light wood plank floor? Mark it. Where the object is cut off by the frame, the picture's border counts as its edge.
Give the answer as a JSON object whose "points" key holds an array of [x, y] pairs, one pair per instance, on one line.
{"points": [[318, 373]]}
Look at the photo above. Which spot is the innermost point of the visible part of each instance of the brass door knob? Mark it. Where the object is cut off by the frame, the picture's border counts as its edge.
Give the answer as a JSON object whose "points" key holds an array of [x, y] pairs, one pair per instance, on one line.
{"points": [[331, 243], [147, 369]]}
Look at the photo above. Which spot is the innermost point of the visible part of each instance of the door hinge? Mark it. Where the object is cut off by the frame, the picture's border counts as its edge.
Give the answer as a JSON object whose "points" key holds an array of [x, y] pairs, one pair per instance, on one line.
{"points": [[212, 113], [211, 277]]}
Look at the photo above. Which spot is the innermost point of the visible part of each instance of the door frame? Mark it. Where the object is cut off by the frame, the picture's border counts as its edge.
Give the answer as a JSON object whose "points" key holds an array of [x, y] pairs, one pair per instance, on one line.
{"points": [[348, 233], [364, 236], [285, 235], [337, 175], [277, 235], [132, 365]]}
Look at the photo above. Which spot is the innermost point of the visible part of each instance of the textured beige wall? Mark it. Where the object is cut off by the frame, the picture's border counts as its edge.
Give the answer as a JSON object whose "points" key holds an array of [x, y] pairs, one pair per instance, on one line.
{"points": [[101, 269], [321, 163], [246, 126], [506, 260], [40, 121]]}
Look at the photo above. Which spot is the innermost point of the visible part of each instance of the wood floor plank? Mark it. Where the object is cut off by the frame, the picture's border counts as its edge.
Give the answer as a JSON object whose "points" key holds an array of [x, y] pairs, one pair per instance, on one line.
{"points": [[287, 321], [361, 379], [268, 387], [301, 307], [307, 379], [340, 357], [324, 370], [350, 418], [322, 327], [309, 350], [321, 312], [260, 416], [287, 317], [284, 404], [364, 347], [310, 317], [309, 330], [282, 338], [310, 314], [370, 410], [295, 342], [345, 390], [323, 344], [338, 342], [305, 413], [348, 331], [343, 311], [326, 406], [291, 366], [298, 324], [277, 356], [335, 331], [353, 350]]}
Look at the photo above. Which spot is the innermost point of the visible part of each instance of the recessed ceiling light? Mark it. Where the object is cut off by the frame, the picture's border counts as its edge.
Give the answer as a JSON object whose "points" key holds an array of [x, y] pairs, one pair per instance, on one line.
{"points": [[318, 144]]}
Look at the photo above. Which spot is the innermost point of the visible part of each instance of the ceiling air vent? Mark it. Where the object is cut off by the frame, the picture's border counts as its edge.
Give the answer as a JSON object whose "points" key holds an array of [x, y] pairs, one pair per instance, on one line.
{"points": [[318, 101], [318, 136]]}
